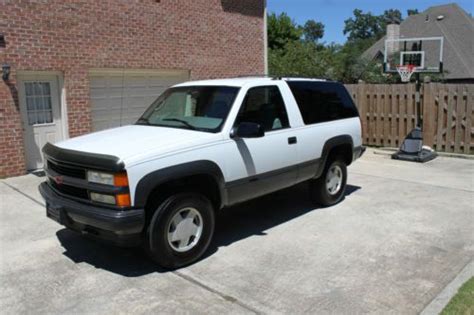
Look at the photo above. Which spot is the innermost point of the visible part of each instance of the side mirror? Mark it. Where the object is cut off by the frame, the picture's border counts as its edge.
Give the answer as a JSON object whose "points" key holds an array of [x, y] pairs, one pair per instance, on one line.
{"points": [[247, 130]]}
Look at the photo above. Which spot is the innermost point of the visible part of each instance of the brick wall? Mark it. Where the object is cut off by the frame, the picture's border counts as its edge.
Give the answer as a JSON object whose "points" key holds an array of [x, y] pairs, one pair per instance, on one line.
{"points": [[211, 38]]}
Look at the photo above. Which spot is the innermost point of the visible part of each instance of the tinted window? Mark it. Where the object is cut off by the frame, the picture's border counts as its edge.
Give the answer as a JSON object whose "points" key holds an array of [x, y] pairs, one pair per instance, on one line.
{"points": [[322, 101], [264, 105]]}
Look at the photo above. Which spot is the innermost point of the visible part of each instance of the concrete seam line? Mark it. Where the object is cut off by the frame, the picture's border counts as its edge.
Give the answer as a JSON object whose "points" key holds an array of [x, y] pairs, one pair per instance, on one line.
{"points": [[222, 295], [439, 302], [389, 151], [26, 195], [413, 182]]}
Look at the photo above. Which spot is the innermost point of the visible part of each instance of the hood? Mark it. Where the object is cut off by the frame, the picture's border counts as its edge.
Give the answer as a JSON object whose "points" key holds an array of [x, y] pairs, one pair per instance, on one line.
{"points": [[135, 142]]}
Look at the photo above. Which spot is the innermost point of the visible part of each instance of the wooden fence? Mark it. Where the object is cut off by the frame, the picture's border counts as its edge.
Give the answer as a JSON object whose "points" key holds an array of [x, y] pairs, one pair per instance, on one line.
{"points": [[388, 113]]}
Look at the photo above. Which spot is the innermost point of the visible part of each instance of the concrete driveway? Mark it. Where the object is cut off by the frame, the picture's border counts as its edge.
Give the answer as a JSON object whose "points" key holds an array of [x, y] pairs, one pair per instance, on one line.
{"points": [[403, 232]]}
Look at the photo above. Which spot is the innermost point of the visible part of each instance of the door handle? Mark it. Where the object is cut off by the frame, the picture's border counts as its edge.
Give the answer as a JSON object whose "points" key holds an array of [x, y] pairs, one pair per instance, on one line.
{"points": [[292, 140]]}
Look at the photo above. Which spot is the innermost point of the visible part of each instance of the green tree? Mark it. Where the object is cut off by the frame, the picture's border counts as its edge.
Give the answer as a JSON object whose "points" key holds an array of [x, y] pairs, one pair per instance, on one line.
{"points": [[300, 58], [412, 12], [313, 31], [282, 30], [362, 26], [392, 16], [366, 25], [293, 49]]}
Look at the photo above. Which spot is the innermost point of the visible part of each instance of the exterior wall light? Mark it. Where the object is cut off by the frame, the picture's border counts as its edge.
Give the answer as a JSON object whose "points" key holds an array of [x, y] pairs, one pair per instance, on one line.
{"points": [[5, 72]]}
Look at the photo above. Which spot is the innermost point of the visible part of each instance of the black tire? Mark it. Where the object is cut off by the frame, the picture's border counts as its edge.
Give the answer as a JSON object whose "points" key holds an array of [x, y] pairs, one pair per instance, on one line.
{"points": [[319, 191], [156, 241]]}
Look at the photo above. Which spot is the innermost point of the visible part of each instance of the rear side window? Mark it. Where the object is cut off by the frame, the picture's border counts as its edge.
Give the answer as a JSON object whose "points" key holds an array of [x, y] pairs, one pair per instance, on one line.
{"points": [[322, 101]]}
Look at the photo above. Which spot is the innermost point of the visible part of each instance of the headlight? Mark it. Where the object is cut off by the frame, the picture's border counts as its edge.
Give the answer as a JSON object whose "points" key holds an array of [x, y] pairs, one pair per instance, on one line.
{"points": [[103, 198], [100, 178], [119, 179]]}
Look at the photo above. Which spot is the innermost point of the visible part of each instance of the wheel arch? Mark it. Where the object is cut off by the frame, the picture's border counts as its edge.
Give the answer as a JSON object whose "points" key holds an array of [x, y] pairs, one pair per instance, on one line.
{"points": [[341, 145], [186, 174]]}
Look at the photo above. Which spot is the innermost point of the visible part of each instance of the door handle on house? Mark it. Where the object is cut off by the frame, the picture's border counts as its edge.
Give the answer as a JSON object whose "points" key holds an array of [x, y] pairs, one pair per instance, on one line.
{"points": [[292, 140]]}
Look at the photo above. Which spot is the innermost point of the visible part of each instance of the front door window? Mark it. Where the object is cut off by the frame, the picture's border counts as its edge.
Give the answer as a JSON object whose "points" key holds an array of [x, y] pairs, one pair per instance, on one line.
{"points": [[38, 103], [264, 105]]}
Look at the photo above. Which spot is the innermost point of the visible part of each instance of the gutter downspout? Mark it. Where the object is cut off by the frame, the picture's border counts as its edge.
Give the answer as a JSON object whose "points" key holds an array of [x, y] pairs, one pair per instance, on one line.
{"points": [[265, 38]]}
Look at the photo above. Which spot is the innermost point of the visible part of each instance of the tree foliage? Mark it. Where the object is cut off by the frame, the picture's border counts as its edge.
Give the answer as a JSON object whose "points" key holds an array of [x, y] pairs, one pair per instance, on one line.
{"points": [[282, 30], [412, 12], [366, 25], [313, 31], [293, 49], [362, 26], [392, 16], [300, 58]]}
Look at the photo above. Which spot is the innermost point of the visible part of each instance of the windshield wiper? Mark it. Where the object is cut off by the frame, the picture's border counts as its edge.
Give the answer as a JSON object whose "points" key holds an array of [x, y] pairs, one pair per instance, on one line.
{"points": [[143, 121], [184, 122]]}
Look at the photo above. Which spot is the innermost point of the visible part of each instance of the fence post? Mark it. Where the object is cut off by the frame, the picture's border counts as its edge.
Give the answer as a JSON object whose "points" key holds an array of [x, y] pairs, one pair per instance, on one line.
{"points": [[428, 114], [468, 131], [361, 102]]}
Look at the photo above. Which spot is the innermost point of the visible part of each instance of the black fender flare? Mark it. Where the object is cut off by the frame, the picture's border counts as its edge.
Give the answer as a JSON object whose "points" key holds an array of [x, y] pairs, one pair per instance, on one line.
{"points": [[329, 145], [202, 167]]}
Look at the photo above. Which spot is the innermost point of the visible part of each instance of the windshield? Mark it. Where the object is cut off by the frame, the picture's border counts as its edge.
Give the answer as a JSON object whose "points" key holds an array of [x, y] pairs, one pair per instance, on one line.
{"points": [[202, 108]]}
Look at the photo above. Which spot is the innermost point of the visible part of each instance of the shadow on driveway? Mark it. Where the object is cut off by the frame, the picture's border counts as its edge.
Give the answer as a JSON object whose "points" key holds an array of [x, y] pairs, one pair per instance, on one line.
{"points": [[232, 225]]}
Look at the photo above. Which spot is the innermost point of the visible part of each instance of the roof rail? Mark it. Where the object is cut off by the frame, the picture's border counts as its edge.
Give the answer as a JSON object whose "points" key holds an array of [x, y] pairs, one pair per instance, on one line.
{"points": [[253, 76], [281, 77], [302, 77]]}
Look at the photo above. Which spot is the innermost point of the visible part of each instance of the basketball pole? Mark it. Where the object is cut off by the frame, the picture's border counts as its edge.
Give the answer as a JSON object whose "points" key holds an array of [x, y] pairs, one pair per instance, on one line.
{"points": [[419, 122]]}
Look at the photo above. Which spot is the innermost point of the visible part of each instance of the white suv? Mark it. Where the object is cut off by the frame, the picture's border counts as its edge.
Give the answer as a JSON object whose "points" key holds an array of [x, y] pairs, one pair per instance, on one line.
{"points": [[200, 147]]}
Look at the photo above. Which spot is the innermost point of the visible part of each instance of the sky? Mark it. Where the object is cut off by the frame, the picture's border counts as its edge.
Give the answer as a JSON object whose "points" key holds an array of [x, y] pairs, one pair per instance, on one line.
{"points": [[333, 13]]}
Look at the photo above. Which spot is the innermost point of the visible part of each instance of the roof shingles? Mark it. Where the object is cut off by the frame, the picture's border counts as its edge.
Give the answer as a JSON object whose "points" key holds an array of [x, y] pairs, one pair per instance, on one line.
{"points": [[457, 28]]}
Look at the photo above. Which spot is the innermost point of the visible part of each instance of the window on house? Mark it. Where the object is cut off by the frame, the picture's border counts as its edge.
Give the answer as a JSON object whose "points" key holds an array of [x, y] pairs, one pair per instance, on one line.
{"points": [[38, 103]]}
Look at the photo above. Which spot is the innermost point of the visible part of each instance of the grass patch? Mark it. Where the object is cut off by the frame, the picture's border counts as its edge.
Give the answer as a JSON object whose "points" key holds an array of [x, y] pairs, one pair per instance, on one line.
{"points": [[463, 302]]}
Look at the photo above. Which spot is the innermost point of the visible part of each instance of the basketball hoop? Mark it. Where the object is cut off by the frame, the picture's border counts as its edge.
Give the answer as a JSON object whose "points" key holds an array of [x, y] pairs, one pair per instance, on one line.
{"points": [[405, 72]]}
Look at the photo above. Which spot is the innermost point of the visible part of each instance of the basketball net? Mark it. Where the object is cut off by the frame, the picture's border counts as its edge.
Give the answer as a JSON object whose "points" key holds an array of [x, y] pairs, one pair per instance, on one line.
{"points": [[405, 72]]}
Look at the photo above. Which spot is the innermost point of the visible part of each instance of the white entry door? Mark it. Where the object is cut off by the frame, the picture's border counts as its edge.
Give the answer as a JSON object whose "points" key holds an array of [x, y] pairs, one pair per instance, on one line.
{"points": [[41, 114]]}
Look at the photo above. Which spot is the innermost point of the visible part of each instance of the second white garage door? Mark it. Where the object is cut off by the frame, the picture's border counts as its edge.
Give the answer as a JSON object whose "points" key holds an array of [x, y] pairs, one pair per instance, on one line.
{"points": [[120, 97]]}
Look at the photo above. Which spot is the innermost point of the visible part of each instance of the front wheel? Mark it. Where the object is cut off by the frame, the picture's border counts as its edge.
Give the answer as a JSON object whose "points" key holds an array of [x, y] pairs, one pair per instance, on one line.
{"points": [[180, 230], [329, 189]]}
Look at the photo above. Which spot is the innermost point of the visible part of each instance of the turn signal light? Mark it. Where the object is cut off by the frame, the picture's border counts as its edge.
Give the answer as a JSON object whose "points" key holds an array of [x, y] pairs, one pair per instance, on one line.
{"points": [[123, 200], [121, 180]]}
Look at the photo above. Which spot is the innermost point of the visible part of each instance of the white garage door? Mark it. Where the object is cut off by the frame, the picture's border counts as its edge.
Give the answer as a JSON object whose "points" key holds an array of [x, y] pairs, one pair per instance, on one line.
{"points": [[120, 97]]}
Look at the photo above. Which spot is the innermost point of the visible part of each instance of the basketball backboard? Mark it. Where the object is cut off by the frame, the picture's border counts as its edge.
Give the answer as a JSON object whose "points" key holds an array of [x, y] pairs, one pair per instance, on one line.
{"points": [[424, 54]]}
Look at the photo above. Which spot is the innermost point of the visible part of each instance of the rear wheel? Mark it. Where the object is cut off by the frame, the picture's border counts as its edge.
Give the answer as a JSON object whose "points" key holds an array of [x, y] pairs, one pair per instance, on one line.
{"points": [[329, 189], [180, 230]]}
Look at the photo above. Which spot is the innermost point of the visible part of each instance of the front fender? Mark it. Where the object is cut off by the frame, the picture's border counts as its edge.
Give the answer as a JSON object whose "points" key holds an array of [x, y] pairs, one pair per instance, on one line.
{"points": [[203, 167]]}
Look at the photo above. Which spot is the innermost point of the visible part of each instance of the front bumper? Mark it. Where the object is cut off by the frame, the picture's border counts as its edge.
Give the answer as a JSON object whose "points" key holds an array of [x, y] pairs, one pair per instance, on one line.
{"points": [[122, 227]]}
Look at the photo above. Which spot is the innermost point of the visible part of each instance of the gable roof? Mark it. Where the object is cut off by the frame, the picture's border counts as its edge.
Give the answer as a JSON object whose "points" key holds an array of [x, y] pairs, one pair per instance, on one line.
{"points": [[457, 28]]}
